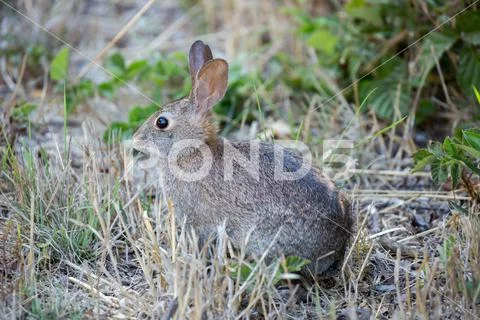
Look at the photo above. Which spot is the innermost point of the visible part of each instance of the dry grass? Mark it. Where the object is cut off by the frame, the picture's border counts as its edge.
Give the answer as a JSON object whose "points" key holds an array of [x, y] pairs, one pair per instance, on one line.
{"points": [[78, 240]]}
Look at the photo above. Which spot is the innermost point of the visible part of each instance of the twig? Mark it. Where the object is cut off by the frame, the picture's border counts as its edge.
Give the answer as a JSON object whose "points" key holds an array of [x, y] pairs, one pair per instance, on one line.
{"points": [[418, 235], [112, 301], [115, 39], [390, 173], [384, 232]]}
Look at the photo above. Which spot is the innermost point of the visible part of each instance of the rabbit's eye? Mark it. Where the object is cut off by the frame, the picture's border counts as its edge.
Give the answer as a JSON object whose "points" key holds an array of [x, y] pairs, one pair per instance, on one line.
{"points": [[161, 123]]}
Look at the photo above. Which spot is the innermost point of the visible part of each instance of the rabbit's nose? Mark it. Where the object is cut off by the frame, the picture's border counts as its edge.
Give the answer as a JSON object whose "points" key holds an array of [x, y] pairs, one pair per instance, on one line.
{"points": [[140, 154]]}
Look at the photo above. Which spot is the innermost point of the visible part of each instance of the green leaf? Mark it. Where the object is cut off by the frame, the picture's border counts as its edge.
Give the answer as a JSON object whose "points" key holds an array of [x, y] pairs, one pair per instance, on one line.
{"points": [[385, 97], [359, 9], [135, 68], [468, 74], [116, 64], [432, 48], [477, 94], [472, 137], [466, 161], [22, 112], [59, 65], [241, 272], [422, 158], [84, 89], [436, 148], [439, 171], [449, 147], [138, 115], [388, 92], [324, 41], [455, 173], [467, 25], [469, 150], [107, 89], [293, 264]]}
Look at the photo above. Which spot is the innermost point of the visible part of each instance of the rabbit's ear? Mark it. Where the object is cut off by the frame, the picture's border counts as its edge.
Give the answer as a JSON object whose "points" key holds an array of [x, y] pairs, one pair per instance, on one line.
{"points": [[199, 54], [210, 84]]}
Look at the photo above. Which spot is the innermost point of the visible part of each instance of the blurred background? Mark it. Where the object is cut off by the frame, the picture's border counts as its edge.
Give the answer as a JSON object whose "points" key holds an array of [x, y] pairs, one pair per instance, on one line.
{"points": [[309, 68]]}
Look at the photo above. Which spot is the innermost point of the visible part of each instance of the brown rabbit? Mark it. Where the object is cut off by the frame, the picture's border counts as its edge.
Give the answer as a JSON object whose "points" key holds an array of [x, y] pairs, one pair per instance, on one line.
{"points": [[305, 217]]}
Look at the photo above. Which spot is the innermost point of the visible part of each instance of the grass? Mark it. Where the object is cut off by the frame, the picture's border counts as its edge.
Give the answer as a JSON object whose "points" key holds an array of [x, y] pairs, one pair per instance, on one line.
{"points": [[80, 237], [93, 242]]}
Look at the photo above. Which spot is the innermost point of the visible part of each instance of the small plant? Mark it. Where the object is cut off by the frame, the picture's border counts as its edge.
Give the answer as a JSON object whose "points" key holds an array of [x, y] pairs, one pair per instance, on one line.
{"points": [[372, 45], [456, 158], [21, 112], [281, 267]]}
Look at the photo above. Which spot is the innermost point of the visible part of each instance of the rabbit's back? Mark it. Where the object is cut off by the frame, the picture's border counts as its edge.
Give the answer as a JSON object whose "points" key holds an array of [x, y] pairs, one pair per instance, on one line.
{"points": [[304, 217]]}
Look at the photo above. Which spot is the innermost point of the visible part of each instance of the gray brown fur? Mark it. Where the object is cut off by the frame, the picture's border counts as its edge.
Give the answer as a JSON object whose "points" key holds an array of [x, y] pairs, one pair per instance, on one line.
{"points": [[306, 217]]}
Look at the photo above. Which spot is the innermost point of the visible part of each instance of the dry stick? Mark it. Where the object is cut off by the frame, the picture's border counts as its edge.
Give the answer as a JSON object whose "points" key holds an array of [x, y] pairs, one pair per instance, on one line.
{"points": [[418, 235], [384, 232], [11, 101], [442, 80], [115, 39], [364, 264], [396, 277], [112, 301], [357, 236], [404, 173]]}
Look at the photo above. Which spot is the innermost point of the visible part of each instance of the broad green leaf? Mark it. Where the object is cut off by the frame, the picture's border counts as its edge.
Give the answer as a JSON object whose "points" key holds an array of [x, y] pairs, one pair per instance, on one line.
{"points": [[455, 173], [293, 264], [468, 21], [384, 99], [241, 272], [59, 65], [323, 40], [361, 10], [439, 171], [388, 92], [467, 24], [421, 154], [107, 89], [116, 65], [436, 148], [135, 68], [448, 147], [468, 74], [138, 115], [433, 47], [467, 161], [469, 150], [422, 158], [472, 137]]}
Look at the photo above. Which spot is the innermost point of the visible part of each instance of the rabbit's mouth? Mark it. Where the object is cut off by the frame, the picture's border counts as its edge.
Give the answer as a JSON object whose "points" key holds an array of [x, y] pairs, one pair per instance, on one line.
{"points": [[141, 154]]}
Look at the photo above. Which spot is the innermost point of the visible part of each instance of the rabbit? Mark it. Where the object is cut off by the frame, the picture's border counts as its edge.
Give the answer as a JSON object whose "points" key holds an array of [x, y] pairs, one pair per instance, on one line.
{"points": [[305, 217]]}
